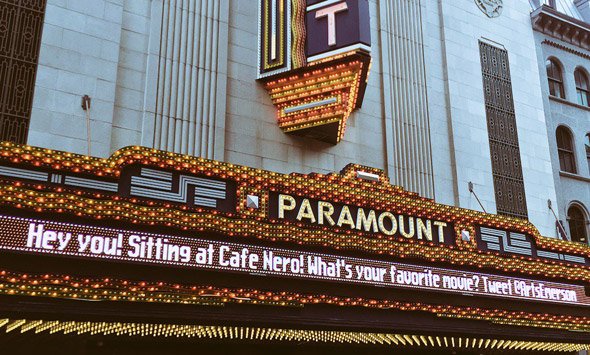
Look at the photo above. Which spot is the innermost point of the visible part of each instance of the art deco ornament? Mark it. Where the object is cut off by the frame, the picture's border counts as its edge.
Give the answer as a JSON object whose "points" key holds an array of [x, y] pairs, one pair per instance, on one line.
{"points": [[492, 8]]}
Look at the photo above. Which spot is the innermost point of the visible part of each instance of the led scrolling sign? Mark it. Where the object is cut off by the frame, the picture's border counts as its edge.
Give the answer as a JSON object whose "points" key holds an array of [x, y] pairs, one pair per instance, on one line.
{"points": [[84, 241]]}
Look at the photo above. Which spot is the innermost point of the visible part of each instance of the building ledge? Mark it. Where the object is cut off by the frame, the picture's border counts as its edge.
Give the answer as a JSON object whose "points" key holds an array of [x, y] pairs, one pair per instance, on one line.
{"points": [[580, 53], [569, 103], [574, 176], [563, 27]]}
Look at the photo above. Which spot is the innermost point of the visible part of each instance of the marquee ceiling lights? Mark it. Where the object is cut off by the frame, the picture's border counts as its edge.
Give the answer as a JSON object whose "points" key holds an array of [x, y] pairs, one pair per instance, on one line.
{"points": [[186, 331]]}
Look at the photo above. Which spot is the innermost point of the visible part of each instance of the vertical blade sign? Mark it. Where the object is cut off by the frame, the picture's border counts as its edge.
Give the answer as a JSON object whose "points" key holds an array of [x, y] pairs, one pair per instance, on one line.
{"points": [[314, 59]]}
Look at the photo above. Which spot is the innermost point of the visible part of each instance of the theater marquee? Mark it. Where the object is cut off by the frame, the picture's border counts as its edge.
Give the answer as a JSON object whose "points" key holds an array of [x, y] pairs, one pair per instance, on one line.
{"points": [[332, 232]]}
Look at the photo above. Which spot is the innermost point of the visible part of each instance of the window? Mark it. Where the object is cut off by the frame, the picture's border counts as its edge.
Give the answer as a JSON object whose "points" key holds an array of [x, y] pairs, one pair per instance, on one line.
{"points": [[555, 78], [565, 148], [588, 151], [577, 222], [582, 87]]}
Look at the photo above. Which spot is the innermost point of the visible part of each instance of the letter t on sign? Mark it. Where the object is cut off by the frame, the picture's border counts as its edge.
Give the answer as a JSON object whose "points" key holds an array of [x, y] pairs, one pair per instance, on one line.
{"points": [[331, 12]]}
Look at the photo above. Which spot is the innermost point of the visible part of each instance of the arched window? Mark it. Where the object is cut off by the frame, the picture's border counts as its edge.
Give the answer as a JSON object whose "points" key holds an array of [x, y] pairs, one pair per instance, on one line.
{"points": [[577, 222], [555, 78], [582, 87], [565, 149], [588, 151]]}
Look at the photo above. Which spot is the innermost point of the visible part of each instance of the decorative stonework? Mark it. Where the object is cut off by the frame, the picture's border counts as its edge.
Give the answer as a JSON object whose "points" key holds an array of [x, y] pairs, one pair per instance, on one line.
{"points": [[185, 106], [566, 48], [409, 157], [552, 23], [492, 8]]}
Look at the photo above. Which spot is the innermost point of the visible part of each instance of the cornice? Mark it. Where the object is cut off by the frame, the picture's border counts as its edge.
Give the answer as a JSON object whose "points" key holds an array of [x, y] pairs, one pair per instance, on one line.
{"points": [[566, 49], [557, 25]]}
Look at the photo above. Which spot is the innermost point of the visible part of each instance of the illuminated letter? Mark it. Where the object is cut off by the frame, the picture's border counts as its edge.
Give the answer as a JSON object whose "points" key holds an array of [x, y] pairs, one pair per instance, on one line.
{"points": [[134, 241], [345, 218], [305, 211], [323, 213], [330, 12], [222, 250], [441, 233], [185, 254], [382, 225], [48, 236], [35, 235], [366, 222], [426, 229], [409, 234], [285, 207]]}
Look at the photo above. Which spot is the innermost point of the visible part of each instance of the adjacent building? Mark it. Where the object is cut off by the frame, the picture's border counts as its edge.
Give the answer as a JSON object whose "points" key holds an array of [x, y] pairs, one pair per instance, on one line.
{"points": [[561, 30]]}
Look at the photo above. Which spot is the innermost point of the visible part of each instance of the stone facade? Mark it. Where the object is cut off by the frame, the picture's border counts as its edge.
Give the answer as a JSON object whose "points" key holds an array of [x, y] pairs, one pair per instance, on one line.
{"points": [[461, 150], [80, 54], [423, 117], [573, 189]]}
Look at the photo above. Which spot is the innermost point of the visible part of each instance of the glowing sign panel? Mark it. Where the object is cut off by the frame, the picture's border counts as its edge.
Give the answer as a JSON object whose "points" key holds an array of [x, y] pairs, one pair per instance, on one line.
{"points": [[84, 241], [349, 217], [343, 24]]}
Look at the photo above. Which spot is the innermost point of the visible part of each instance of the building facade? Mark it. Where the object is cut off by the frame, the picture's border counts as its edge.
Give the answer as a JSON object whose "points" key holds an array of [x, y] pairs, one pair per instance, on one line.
{"points": [[476, 105], [563, 63], [139, 64]]}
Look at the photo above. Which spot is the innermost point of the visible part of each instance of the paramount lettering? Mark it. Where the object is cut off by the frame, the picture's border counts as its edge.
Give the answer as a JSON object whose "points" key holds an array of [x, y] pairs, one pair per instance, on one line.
{"points": [[325, 213]]}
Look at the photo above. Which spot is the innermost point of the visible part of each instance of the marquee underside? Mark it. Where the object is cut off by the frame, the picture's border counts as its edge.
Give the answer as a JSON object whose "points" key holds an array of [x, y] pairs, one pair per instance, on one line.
{"points": [[259, 334]]}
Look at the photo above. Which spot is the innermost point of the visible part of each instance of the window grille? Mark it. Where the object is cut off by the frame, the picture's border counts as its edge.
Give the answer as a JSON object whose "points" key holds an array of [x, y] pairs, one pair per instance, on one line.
{"points": [[503, 137], [21, 24]]}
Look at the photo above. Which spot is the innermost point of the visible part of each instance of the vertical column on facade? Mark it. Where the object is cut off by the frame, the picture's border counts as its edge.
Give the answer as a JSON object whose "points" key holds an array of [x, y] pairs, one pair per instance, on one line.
{"points": [[189, 72], [409, 157]]}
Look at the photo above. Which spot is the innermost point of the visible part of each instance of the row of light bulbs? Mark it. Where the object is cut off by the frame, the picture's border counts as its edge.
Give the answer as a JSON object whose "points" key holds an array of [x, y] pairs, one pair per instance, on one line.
{"points": [[280, 335]]}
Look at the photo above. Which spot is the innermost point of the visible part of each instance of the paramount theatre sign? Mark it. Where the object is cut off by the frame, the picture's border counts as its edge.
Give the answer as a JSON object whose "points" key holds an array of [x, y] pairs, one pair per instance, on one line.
{"points": [[359, 218], [335, 230]]}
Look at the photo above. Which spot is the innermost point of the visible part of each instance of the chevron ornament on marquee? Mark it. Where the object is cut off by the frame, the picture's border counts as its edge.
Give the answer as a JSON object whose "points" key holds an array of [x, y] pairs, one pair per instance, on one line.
{"points": [[157, 185]]}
